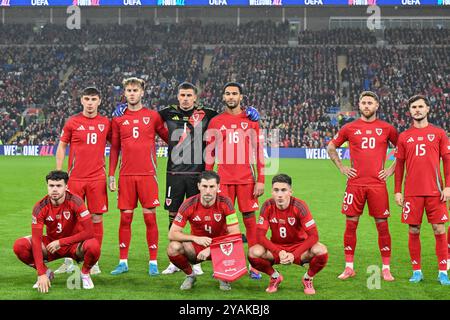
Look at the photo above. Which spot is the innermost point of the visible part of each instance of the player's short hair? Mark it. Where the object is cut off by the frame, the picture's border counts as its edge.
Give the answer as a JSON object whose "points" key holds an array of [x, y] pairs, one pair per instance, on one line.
{"points": [[90, 91], [418, 97], [233, 84], [282, 178], [369, 94], [208, 175], [57, 175], [135, 81], [187, 85]]}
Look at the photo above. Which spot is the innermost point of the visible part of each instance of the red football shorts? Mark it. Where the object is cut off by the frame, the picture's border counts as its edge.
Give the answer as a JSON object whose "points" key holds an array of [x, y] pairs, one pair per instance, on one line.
{"points": [[244, 194], [93, 192], [69, 251], [288, 248], [355, 198], [412, 212], [132, 188]]}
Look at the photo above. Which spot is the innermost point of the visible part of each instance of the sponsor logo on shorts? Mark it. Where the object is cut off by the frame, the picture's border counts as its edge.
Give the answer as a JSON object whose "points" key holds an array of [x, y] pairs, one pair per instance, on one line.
{"points": [[226, 248], [156, 202], [255, 206], [104, 208], [386, 213], [66, 214], [444, 218], [217, 216]]}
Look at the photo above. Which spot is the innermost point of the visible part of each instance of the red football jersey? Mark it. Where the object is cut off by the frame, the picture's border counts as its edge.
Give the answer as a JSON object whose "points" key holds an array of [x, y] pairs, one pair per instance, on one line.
{"points": [[288, 226], [422, 149], [368, 143], [133, 134], [61, 220], [87, 139], [238, 147], [205, 222]]}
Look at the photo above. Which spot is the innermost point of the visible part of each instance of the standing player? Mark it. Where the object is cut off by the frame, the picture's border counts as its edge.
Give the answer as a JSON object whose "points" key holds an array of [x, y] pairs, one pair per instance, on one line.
{"points": [[421, 148], [239, 148], [133, 135], [368, 139], [294, 236], [60, 211], [87, 134], [210, 215]]}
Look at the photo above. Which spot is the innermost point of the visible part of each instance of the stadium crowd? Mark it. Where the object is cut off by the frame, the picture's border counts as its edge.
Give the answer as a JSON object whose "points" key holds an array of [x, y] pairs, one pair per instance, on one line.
{"points": [[297, 90]]}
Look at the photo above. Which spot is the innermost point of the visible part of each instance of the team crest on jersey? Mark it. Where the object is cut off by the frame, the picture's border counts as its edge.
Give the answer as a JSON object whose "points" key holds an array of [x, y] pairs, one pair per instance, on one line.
{"points": [[379, 131], [217, 216], [66, 214], [291, 221], [227, 248], [430, 137], [244, 125], [146, 120], [345, 207], [101, 127], [168, 201], [195, 116]]}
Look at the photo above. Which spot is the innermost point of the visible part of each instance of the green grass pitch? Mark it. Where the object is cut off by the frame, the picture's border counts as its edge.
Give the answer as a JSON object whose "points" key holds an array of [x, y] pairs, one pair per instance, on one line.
{"points": [[315, 181]]}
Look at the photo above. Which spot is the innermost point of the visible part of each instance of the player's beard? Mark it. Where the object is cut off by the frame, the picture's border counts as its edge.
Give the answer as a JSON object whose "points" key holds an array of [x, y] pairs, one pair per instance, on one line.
{"points": [[56, 197], [419, 119], [208, 199], [368, 116], [232, 105]]}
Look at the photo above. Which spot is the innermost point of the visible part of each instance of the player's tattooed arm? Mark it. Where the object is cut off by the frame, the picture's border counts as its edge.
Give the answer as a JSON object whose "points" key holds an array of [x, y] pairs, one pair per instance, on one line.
{"points": [[334, 156]]}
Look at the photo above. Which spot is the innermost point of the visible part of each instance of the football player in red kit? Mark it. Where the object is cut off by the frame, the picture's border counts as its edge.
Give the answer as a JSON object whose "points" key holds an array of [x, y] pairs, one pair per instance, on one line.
{"points": [[210, 215], [368, 139], [133, 136], [237, 143], [60, 211], [420, 148], [294, 236], [86, 133]]}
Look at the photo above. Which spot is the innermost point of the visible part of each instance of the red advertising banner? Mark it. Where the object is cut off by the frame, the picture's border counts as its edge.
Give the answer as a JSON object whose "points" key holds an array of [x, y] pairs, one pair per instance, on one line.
{"points": [[228, 257]]}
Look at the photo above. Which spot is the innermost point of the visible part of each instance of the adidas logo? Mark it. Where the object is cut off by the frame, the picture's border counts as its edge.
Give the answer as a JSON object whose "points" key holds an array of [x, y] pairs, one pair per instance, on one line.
{"points": [[122, 245], [156, 202], [104, 207], [223, 128], [358, 132], [348, 248], [444, 218], [410, 140], [153, 246], [385, 249], [414, 262], [49, 219], [274, 220], [197, 218], [126, 123], [386, 213], [81, 128], [443, 262], [255, 206]]}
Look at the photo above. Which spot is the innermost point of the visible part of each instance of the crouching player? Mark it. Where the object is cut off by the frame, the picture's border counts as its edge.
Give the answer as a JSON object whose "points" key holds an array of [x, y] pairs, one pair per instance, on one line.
{"points": [[59, 211], [210, 215], [294, 236]]}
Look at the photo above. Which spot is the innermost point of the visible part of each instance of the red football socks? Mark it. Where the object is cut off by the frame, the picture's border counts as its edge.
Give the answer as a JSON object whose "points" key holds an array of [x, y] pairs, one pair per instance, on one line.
{"points": [[152, 235], [125, 234], [414, 250]]}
